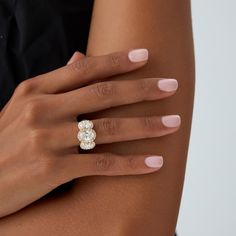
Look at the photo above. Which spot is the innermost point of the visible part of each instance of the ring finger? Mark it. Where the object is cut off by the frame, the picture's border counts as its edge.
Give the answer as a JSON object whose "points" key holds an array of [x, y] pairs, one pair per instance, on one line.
{"points": [[110, 130]]}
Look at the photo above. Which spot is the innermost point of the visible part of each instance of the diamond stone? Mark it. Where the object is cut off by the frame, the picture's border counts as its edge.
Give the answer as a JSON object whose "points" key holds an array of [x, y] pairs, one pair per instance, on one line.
{"points": [[87, 145], [85, 124], [86, 135]]}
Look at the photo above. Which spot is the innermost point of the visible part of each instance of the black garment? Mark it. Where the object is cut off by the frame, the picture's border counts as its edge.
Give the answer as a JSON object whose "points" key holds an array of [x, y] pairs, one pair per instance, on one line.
{"points": [[38, 36]]}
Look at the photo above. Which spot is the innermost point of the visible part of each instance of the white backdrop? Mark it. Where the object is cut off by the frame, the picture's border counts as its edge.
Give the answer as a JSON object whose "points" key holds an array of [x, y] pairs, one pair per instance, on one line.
{"points": [[209, 199]]}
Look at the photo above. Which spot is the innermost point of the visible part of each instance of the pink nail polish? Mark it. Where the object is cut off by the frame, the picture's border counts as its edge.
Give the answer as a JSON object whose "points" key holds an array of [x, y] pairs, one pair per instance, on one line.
{"points": [[138, 55], [154, 161], [167, 85], [171, 121]]}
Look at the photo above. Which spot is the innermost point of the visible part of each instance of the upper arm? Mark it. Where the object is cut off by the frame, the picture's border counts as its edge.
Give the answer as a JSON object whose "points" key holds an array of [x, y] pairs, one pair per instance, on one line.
{"points": [[135, 205], [164, 27]]}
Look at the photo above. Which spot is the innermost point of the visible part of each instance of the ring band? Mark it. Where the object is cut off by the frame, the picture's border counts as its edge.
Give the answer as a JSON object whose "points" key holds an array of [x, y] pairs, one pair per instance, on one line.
{"points": [[86, 134]]}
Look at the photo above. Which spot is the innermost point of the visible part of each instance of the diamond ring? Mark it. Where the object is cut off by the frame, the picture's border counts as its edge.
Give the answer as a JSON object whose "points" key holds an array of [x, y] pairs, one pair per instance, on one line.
{"points": [[86, 135]]}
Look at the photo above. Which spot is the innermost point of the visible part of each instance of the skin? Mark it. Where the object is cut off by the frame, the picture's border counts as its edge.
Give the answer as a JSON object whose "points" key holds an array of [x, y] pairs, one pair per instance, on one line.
{"points": [[49, 154], [129, 205]]}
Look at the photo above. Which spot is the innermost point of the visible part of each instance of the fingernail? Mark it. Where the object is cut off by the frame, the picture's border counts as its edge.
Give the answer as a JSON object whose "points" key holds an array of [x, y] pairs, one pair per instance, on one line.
{"points": [[72, 58], [138, 55], [171, 121], [167, 85], [154, 161]]}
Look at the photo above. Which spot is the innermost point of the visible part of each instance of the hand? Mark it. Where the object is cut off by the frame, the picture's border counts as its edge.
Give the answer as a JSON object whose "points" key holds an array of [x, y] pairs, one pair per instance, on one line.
{"points": [[38, 139]]}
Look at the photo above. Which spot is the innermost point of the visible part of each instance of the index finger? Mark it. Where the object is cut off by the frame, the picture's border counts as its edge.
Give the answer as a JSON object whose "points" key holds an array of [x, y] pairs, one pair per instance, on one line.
{"points": [[89, 69]]}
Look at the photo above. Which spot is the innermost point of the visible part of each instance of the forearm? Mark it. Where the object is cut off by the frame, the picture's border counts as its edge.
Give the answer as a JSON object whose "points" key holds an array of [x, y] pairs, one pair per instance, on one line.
{"points": [[130, 205]]}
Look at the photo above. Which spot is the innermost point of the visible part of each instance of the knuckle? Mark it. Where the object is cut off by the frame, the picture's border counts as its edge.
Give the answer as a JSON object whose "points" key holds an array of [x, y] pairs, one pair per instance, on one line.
{"points": [[114, 60], [149, 123], [38, 139], [48, 166], [104, 162], [81, 65], [110, 126], [144, 85], [104, 89], [25, 87], [31, 111], [131, 162]]}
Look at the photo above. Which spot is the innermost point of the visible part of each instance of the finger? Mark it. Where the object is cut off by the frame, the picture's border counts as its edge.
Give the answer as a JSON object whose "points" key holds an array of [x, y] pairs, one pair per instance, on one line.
{"points": [[105, 95], [111, 130], [92, 68], [75, 57], [4, 108], [75, 166]]}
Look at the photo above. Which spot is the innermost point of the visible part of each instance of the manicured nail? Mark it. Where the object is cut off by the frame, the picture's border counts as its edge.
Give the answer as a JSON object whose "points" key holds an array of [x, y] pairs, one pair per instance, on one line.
{"points": [[167, 85], [171, 121], [72, 58], [138, 55], [154, 161]]}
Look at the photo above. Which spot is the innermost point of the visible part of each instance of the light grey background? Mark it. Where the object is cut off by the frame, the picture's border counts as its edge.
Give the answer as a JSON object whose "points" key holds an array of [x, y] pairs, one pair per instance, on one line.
{"points": [[209, 200]]}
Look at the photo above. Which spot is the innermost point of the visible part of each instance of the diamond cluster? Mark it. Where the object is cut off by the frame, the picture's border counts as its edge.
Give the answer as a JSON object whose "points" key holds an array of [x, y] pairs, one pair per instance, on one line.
{"points": [[86, 134]]}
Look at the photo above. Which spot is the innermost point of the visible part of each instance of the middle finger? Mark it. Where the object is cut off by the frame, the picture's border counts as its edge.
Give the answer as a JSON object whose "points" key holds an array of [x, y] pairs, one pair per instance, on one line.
{"points": [[105, 95]]}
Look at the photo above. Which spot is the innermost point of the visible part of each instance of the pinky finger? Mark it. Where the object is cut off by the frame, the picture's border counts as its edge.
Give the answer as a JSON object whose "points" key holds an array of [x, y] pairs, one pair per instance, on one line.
{"points": [[75, 57], [80, 165]]}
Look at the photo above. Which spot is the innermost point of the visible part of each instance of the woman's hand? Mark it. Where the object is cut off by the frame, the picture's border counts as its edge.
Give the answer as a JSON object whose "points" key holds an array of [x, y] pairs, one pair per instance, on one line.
{"points": [[38, 138]]}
